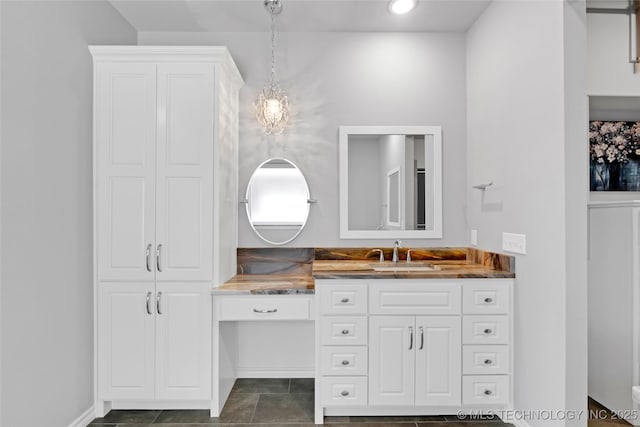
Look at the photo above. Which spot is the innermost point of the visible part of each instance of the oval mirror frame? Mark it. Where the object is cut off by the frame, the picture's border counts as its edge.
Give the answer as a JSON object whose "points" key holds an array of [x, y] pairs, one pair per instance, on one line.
{"points": [[265, 179]]}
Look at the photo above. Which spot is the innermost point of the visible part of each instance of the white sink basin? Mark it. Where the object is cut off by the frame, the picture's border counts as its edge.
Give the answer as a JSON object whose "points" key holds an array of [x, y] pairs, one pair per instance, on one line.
{"points": [[403, 266]]}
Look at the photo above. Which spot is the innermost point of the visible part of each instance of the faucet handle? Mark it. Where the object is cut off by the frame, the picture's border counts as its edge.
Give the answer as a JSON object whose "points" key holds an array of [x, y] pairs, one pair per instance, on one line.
{"points": [[377, 250], [408, 255]]}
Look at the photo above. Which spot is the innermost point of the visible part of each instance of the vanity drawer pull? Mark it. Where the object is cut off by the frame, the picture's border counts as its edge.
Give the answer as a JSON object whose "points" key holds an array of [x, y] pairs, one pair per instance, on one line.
{"points": [[488, 300], [344, 300], [488, 362], [345, 362], [345, 332], [344, 393], [488, 331], [275, 310], [488, 392]]}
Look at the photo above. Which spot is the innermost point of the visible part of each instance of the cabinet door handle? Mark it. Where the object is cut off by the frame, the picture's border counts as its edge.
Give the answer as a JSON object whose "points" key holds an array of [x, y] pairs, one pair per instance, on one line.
{"points": [[410, 337], [158, 254], [149, 303], [158, 298], [421, 338], [275, 310], [148, 253]]}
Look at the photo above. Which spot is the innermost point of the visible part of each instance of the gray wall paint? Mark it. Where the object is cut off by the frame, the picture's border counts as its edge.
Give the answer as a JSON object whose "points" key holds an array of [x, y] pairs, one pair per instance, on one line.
{"points": [[517, 138], [338, 79], [47, 296]]}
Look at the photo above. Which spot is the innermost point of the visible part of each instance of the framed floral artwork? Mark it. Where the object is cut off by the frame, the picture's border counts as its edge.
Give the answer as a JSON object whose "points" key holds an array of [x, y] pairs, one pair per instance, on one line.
{"points": [[614, 149]]}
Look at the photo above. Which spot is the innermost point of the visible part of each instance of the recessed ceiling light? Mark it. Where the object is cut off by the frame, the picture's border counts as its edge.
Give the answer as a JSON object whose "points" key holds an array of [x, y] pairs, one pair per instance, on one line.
{"points": [[400, 7]]}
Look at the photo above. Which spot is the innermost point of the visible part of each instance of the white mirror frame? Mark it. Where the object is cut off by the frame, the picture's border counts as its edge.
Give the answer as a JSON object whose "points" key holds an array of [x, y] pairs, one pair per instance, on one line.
{"points": [[435, 189]]}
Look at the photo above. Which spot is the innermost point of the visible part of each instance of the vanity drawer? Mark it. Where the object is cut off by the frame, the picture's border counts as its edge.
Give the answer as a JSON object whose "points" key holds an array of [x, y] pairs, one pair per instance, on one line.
{"points": [[485, 329], [343, 299], [485, 359], [343, 330], [339, 391], [492, 298], [414, 298], [264, 308], [342, 360], [485, 389]]}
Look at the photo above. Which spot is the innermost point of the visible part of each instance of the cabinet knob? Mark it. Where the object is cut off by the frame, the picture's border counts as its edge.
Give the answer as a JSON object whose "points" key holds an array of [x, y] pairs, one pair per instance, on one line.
{"points": [[344, 393], [488, 300], [345, 332], [488, 392], [345, 362], [488, 362], [488, 331], [344, 300]]}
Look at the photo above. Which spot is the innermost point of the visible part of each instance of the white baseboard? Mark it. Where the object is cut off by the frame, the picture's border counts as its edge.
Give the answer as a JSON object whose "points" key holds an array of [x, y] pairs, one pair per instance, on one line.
{"points": [[85, 419]]}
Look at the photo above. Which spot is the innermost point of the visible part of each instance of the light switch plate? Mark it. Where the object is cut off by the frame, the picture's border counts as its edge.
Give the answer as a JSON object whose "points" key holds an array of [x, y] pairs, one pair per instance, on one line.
{"points": [[474, 237], [512, 242]]}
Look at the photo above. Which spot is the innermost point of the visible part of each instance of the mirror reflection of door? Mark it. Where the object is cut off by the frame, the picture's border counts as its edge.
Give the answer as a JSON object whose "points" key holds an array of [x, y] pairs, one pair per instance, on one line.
{"points": [[393, 198]]}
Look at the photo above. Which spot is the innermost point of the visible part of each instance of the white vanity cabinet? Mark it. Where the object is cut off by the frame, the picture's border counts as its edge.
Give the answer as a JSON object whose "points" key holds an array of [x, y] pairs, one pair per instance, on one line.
{"points": [[165, 172], [432, 346]]}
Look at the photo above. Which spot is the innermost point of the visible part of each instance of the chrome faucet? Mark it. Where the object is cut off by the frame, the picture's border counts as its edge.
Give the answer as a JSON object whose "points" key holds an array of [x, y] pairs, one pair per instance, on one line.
{"points": [[376, 250], [395, 257]]}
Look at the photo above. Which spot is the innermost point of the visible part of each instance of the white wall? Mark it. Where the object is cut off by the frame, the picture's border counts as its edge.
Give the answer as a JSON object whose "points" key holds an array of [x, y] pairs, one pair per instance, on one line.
{"points": [[526, 132], [338, 79], [46, 206]]}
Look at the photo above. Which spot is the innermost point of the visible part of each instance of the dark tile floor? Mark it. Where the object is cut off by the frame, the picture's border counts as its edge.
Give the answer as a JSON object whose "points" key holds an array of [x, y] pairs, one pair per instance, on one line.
{"points": [[272, 403]]}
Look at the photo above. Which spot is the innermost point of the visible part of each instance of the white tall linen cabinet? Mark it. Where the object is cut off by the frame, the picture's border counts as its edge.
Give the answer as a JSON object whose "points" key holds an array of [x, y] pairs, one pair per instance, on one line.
{"points": [[614, 305], [165, 212]]}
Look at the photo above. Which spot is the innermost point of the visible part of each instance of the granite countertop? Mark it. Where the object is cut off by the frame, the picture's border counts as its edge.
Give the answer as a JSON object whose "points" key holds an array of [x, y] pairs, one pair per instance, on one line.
{"points": [[445, 269], [255, 283]]}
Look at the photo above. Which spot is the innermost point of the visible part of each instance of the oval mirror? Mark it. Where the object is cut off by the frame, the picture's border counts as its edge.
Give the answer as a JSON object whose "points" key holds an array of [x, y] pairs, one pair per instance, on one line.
{"points": [[277, 201]]}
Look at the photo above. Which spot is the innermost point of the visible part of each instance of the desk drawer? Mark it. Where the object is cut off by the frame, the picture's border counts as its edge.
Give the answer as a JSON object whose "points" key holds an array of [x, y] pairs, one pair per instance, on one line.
{"points": [[263, 308], [343, 330], [343, 360]]}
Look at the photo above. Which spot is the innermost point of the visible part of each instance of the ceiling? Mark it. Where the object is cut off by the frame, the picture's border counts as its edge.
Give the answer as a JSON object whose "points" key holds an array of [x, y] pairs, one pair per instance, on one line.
{"points": [[297, 15]]}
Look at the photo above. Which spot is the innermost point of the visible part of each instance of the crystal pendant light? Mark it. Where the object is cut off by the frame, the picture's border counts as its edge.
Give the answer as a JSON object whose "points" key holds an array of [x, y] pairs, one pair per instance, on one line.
{"points": [[272, 105]]}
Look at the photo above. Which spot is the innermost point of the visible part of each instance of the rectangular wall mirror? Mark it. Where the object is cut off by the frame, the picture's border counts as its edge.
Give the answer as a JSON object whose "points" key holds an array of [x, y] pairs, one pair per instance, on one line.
{"points": [[390, 182]]}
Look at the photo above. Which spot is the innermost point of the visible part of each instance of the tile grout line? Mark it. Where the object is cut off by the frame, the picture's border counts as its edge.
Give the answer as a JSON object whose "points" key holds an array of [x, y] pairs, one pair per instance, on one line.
{"points": [[253, 414]]}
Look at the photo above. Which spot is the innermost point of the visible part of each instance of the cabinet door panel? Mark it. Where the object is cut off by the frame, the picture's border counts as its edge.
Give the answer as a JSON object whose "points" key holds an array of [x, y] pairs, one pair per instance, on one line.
{"points": [[183, 350], [391, 360], [438, 360], [125, 120], [125, 341], [185, 171]]}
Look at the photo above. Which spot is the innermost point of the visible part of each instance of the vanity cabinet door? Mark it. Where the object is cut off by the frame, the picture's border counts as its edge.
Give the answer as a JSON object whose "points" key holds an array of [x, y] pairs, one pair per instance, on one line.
{"points": [[183, 353], [438, 360], [126, 337], [392, 341]]}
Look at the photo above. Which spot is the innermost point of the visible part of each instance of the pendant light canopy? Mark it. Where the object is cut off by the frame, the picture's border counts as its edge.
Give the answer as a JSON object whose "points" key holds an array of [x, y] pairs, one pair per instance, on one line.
{"points": [[272, 105]]}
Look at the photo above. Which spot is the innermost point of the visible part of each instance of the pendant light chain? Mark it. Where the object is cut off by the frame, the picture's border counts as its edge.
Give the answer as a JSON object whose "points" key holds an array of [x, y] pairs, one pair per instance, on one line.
{"points": [[272, 105]]}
